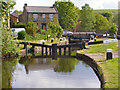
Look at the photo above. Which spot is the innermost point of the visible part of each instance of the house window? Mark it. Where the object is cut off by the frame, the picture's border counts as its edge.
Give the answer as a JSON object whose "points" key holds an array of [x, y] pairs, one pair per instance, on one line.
{"points": [[43, 16], [51, 17], [35, 17]]}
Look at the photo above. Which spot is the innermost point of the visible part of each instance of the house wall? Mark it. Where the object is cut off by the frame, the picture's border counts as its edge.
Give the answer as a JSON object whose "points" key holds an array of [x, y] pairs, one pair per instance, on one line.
{"points": [[27, 17]]}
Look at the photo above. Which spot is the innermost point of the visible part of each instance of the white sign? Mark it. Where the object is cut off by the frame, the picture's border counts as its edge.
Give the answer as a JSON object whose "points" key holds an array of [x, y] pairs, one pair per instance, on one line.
{"points": [[109, 41]]}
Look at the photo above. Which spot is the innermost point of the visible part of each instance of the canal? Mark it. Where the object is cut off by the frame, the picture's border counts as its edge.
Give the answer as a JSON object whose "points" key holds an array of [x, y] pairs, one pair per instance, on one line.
{"points": [[48, 73]]}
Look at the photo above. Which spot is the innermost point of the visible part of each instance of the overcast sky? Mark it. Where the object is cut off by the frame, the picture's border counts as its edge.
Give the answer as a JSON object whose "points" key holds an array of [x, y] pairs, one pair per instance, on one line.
{"points": [[95, 4]]}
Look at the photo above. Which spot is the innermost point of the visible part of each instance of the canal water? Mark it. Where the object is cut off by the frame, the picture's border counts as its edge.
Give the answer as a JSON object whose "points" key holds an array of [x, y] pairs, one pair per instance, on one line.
{"points": [[48, 73]]}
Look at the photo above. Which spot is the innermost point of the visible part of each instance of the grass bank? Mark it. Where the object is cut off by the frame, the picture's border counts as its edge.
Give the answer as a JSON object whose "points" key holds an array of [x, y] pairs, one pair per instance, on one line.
{"points": [[109, 67], [110, 71], [101, 48]]}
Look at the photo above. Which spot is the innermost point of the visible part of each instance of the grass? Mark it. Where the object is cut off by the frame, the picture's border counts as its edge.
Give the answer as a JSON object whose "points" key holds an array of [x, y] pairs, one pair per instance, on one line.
{"points": [[101, 48], [37, 37], [110, 71]]}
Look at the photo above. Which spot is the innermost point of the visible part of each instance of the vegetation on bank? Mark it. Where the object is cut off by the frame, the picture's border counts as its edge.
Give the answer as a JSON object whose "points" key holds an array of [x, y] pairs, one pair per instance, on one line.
{"points": [[109, 67], [101, 48], [110, 71], [9, 47]]}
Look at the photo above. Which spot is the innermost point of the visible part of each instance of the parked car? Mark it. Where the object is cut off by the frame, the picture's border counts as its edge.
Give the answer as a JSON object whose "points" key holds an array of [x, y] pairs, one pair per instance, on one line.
{"points": [[16, 30]]}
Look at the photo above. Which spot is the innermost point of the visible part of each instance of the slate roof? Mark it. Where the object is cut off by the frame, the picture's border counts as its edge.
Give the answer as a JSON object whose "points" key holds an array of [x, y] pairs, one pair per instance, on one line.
{"points": [[40, 9], [15, 15]]}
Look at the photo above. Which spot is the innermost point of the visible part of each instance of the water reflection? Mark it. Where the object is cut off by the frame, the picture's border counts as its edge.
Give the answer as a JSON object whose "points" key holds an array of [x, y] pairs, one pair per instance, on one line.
{"points": [[8, 68], [48, 73]]}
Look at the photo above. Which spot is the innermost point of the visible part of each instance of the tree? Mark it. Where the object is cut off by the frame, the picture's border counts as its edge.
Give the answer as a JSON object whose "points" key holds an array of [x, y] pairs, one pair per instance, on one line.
{"points": [[17, 12], [9, 46], [101, 24], [7, 6], [113, 29], [87, 18], [55, 29], [68, 15], [108, 15]]}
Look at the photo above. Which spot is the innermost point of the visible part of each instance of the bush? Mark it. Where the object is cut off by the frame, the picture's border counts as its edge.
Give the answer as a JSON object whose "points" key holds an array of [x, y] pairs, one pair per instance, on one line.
{"points": [[31, 28], [18, 25], [21, 35]]}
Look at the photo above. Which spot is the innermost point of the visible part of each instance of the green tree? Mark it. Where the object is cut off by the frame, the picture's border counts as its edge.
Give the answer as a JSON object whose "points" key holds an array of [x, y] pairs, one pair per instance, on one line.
{"points": [[87, 18], [113, 29], [101, 24], [17, 12], [9, 46], [108, 15], [7, 6], [55, 29], [68, 15]]}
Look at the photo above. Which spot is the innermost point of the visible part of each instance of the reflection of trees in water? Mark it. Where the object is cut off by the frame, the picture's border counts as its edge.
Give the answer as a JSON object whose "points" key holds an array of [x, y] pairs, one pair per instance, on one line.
{"points": [[86, 65], [66, 65], [8, 68]]}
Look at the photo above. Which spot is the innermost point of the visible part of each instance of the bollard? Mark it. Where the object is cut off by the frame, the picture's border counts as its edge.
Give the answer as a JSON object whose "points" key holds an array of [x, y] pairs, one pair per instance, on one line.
{"points": [[52, 39], [43, 42], [109, 54], [60, 39]]}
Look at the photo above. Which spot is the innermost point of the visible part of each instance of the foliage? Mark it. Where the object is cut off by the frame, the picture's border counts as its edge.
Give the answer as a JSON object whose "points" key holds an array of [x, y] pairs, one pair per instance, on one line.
{"points": [[31, 28], [113, 29], [9, 47], [18, 25], [87, 18], [113, 11], [68, 15], [101, 24], [21, 35], [17, 12], [108, 15], [55, 29], [6, 7]]}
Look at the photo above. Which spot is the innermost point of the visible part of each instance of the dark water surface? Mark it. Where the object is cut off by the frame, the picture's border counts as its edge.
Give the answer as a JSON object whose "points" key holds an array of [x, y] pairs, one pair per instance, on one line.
{"points": [[48, 73]]}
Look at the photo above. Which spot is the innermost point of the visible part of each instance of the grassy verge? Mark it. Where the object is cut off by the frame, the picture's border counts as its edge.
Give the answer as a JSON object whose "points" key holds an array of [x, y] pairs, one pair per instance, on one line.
{"points": [[110, 71], [101, 48]]}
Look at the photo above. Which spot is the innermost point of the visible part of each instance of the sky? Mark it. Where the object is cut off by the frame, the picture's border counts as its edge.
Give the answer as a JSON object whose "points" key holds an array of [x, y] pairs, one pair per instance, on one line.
{"points": [[95, 4]]}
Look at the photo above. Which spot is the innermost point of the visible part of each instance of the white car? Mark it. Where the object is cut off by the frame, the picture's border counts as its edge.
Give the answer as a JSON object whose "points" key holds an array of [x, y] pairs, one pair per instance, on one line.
{"points": [[16, 30]]}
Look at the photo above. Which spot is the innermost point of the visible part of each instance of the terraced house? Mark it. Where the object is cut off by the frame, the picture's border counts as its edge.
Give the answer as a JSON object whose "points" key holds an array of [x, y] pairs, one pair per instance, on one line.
{"points": [[39, 14]]}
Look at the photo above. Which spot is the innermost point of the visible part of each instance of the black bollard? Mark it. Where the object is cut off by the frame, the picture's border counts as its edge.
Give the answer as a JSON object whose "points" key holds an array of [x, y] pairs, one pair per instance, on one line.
{"points": [[109, 54]]}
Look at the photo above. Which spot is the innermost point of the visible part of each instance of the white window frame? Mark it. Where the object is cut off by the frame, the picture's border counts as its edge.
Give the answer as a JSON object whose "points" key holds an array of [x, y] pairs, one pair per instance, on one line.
{"points": [[35, 17], [51, 17]]}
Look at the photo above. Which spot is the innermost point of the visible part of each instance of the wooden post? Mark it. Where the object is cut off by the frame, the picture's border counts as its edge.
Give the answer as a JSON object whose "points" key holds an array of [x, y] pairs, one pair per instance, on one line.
{"points": [[64, 50], [59, 51], [26, 47], [42, 50], [50, 51], [32, 49], [54, 51], [69, 51], [46, 51]]}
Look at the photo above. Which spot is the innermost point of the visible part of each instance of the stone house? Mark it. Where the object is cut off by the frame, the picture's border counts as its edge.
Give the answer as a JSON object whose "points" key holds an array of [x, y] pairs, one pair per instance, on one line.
{"points": [[14, 19], [39, 14]]}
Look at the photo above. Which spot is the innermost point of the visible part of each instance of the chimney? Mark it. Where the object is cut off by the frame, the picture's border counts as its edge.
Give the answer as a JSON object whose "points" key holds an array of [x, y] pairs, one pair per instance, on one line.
{"points": [[25, 5], [54, 6]]}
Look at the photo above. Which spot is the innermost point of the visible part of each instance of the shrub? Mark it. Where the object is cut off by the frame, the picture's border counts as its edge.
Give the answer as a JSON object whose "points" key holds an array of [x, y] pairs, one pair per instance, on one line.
{"points": [[31, 28], [21, 35], [18, 25]]}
